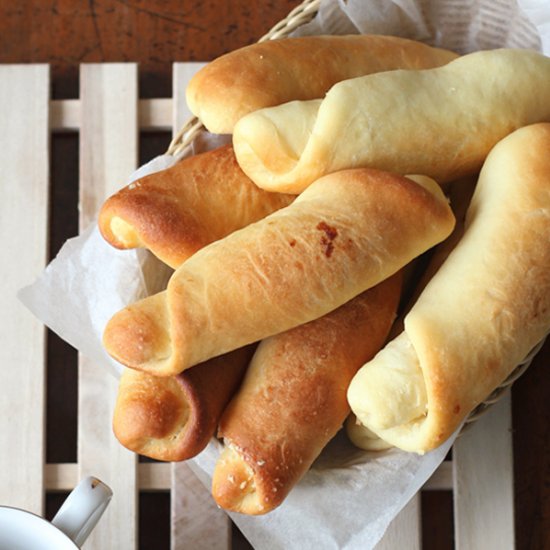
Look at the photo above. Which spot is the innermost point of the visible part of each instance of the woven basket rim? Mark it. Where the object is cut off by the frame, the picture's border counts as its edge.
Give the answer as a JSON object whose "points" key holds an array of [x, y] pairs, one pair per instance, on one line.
{"points": [[300, 15]]}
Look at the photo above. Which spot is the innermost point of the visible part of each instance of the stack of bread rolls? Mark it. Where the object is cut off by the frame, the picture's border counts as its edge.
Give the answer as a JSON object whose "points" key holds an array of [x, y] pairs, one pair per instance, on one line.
{"points": [[290, 246]]}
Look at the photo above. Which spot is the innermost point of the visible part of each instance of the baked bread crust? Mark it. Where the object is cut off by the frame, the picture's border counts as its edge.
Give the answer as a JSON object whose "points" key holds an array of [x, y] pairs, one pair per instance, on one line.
{"points": [[276, 71], [293, 400], [479, 316], [439, 122], [346, 233], [177, 211], [172, 418]]}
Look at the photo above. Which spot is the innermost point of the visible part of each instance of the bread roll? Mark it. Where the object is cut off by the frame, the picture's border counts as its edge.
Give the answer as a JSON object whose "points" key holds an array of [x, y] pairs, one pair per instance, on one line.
{"points": [[176, 211], [362, 437], [293, 400], [277, 71], [345, 234], [172, 418], [439, 122], [480, 315], [460, 194]]}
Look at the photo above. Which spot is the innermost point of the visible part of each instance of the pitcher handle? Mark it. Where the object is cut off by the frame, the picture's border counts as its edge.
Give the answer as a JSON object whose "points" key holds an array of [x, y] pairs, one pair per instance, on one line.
{"points": [[82, 509]]}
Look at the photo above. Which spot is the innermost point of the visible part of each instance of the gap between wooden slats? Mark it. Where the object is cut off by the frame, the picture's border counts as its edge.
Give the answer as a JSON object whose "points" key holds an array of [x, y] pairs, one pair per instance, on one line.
{"points": [[196, 521], [24, 93], [108, 154], [484, 484]]}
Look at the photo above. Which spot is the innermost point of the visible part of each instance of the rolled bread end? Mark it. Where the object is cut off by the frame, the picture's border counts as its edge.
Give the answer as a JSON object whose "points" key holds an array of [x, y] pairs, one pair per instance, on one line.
{"points": [[269, 148], [234, 486], [362, 437], [139, 338], [389, 390]]}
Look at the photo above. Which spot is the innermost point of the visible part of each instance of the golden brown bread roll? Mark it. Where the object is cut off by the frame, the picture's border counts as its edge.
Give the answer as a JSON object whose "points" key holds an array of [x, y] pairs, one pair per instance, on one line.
{"points": [[277, 71], [293, 400], [345, 234], [479, 316], [439, 122], [172, 418], [177, 211]]}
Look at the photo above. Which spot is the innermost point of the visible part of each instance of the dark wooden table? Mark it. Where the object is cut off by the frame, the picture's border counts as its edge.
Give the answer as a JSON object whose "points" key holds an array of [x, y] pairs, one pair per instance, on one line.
{"points": [[156, 33]]}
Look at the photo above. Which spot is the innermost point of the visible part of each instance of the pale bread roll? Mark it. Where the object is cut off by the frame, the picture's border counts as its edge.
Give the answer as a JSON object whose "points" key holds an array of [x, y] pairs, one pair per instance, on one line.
{"points": [[439, 122], [480, 315], [460, 194], [293, 400], [362, 437], [172, 418], [346, 233], [177, 211], [277, 71]]}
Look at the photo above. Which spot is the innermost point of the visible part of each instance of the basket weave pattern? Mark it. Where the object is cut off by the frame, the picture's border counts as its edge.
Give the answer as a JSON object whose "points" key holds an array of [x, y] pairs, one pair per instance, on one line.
{"points": [[301, 15]]}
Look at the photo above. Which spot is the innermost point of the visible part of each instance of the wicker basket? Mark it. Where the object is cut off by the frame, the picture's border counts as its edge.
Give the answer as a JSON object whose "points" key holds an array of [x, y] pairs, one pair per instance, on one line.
{"points": [[301, 15]]}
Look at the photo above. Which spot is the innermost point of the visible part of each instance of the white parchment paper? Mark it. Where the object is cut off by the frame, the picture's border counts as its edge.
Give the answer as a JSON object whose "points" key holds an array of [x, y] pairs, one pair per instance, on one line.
{"points": [[349, 497]]}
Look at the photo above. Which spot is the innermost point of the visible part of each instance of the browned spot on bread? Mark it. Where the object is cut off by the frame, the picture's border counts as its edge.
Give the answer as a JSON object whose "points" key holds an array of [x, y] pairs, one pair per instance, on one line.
{"points": [[330, 233]]}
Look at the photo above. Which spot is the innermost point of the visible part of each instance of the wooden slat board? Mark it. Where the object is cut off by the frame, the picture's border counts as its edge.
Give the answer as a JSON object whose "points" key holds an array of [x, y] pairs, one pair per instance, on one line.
{"points": [[483, 482], [151, 476], [181, 75], [154, 114], [24, 94], [196, 521], [108, 155], [405, 530]]}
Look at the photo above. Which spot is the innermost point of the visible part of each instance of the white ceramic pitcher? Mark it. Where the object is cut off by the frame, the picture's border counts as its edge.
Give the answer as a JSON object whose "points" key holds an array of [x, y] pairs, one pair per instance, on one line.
{"points": [[22, 530]]}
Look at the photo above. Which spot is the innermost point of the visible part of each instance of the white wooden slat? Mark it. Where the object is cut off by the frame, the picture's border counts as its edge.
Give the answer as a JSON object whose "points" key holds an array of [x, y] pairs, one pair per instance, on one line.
{"points": [[196, 520], [442, 478], [405, 530], [61, 476], [192, 505], [157, 476], [108, 154], [152, 476], [65, 114], [181, 75], [24, 157], [154, 114], [483, 482]]}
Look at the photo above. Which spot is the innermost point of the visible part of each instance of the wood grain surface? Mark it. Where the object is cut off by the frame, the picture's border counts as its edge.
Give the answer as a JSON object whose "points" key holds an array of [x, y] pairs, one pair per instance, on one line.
{"points": [[156, 33]]}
